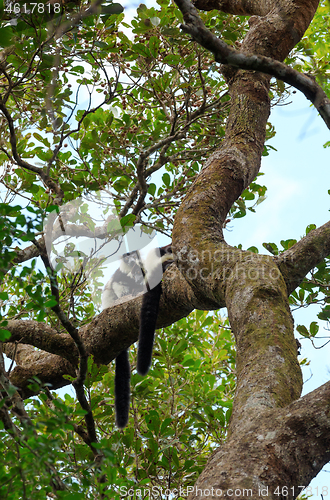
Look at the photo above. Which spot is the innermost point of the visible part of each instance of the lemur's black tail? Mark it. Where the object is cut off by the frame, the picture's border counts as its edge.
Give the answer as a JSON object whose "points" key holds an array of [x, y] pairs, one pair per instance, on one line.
{"points": [[122, 388], [148, 319]]}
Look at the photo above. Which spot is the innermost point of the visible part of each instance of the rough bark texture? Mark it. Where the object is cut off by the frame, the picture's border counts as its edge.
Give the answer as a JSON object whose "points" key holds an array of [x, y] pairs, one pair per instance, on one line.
{"points": [[105, 337], [296, 262], [240, 7], [276, 440], [265, 440]]}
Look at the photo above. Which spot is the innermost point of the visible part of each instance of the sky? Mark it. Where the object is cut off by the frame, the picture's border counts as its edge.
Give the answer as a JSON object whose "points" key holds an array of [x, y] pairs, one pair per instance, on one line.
{"points": [[297, 177]]}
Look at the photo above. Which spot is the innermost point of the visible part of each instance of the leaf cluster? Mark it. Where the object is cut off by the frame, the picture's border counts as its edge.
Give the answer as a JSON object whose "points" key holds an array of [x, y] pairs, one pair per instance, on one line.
{"points": [[172, 424]]}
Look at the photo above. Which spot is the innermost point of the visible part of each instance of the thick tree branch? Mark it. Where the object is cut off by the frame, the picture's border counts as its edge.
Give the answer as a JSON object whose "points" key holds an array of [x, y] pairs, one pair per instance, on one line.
{"points": [[279, 448], [302, 257], [240, 7], [268, 374], [307, 422], [30, 363], [237, 59], [104, 337], [43, 337], [23, 256]]}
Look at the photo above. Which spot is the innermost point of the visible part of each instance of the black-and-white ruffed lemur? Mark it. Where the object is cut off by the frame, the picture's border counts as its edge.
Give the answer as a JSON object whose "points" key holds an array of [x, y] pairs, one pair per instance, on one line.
{"points": [[133, 276]]}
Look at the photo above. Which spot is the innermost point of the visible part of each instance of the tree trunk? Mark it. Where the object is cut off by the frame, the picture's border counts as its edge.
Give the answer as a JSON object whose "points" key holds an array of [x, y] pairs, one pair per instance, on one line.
{"points": [[265, 453]]}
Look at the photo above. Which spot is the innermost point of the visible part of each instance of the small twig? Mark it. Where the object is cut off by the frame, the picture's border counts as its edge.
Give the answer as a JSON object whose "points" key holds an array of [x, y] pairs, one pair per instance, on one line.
{"points": [[78, 383], [224, 54]]}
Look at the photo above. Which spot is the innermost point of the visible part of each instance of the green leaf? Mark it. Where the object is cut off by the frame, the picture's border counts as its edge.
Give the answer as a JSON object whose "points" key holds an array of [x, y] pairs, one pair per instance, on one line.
{"points": [[4, 335], [253, 249], [51, 303], [271, 247], [310, 228], [78, 69], [42, 139], [128, 220], [172, 59], [288, 243], [154, 44], [152, 189], [225, 404], [6, 36], [314, 328], [167, 422], [114, 8], [303, 331], [324, 314], [155, 21], [141, 49], [166, 179]]}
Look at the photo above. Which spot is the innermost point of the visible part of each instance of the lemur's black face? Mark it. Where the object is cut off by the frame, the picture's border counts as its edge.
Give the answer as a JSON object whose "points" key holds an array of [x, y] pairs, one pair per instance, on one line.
{"points": [[165, 250]]}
